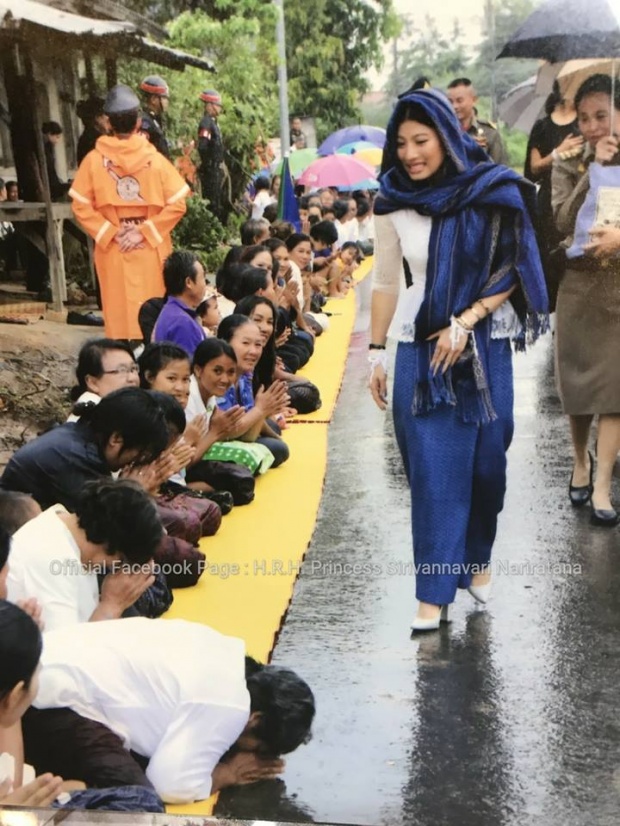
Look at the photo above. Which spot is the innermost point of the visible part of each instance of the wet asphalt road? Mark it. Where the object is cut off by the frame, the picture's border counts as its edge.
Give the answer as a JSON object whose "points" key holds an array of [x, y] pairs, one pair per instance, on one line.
{"points": [[508, 716]]}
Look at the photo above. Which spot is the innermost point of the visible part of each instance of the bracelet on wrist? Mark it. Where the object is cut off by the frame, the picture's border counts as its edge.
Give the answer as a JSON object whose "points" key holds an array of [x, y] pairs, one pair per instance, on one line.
{"points": [[462, 323], [472, 309], [484, 306], [376, 346]]}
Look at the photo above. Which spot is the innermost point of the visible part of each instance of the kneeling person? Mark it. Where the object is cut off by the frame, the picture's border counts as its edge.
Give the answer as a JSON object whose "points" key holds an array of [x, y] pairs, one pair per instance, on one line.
{"points": [[183, 696]]}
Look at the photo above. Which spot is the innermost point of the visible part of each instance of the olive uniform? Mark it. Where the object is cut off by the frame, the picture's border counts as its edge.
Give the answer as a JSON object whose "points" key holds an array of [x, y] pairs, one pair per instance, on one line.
{"points": [[485, 129]]}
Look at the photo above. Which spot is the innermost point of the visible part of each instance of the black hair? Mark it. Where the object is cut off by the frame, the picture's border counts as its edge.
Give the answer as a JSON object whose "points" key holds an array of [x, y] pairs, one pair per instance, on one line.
{"points": [[251, 230], [262, 183], [459, 81], [15, 510], [122, 123], [340, 208], [156, 356], [212, 348], [304, 202], [5, 546], [223, 274], [2, 183], [553, 99], [121, 516], [325, 232], [20, 647], [173, 413], [296, 239], [134, 414], [274, 244], [242, 280], [231, 323], [285, 704], [597, 84], [51, 127], [248, 253], [313, 220], [327, 210], [270, 213], [201, 309], [363, 207], [178, 267], [11, 184], [266, 365], [90, 361], [348, 245]]}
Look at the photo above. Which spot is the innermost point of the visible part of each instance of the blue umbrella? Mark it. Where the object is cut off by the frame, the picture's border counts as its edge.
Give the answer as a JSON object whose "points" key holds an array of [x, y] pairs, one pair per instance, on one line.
{"points": [[351, 134], [370, 184], [288, 208]]}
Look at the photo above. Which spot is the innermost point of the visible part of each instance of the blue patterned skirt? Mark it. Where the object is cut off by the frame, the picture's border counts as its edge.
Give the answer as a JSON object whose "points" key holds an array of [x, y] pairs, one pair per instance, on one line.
{"points": [[457, 476]]}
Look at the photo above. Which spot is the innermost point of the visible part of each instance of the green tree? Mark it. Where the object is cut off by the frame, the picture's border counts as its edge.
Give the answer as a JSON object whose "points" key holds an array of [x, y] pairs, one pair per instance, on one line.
{"points": [[430, 54], [494, 77], [330, 44]]}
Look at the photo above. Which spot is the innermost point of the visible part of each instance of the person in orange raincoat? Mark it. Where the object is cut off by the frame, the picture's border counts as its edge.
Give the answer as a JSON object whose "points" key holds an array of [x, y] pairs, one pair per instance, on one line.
{"points": [[129, 198]]}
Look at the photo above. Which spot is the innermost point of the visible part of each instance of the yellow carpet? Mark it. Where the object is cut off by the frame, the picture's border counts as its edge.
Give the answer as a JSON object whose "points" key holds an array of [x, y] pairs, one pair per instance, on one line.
{"points": [[256, 556]]}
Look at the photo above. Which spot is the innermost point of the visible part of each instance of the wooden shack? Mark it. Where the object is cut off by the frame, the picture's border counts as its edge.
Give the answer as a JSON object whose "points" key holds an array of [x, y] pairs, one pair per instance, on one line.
{"points": [[49, 57]]}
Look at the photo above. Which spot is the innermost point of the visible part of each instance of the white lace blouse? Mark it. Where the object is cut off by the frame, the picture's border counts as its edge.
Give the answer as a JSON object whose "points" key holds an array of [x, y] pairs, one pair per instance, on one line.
{"points": [[406, 234]]}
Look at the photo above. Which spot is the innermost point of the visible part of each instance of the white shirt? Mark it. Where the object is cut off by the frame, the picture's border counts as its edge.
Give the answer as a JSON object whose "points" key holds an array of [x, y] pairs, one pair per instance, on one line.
{"points": [[87, 396], [262, 199], [406, 234], [45, 563], [174, 691], [347, 231], [195, 405]]}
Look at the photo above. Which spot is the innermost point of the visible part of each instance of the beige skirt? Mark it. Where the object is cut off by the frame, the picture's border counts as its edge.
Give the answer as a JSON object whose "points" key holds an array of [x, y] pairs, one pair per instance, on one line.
{"points": [[587, 341]]}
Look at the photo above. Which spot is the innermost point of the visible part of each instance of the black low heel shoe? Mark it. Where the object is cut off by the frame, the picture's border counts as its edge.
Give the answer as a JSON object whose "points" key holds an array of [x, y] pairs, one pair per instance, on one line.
{"points": [[604, 518], [223, 498], [580, 496]]}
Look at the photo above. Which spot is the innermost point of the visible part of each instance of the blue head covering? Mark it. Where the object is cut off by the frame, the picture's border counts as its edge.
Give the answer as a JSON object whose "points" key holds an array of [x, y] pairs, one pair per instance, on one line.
{"points": [[482, 243]]}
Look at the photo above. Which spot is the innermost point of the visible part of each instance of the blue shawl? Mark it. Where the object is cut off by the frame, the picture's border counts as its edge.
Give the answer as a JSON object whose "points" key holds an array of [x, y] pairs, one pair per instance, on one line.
{"points": [[482, 243]]}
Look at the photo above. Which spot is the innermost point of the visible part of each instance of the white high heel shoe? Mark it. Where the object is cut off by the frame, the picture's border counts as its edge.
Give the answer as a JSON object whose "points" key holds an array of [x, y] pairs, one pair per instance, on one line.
{"points": [[480, 593], [432, 624]]}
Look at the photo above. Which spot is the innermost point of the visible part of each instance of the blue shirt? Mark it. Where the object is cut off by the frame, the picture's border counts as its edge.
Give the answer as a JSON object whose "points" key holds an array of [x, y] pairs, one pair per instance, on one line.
{"points": [[177, 323], [240, 393]]}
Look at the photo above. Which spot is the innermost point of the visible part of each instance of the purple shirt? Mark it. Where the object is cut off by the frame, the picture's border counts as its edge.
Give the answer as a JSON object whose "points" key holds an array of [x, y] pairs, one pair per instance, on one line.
{"points": [[177, 323]]}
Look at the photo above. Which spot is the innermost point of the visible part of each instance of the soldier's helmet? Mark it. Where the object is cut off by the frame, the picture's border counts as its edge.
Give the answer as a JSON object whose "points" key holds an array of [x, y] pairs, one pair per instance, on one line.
{"points": [[211, 96], [120, 99], [155, 85]]}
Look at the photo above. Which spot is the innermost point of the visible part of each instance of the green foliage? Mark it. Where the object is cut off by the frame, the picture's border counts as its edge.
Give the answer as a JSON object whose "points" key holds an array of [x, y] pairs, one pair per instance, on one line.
{"points": [[201, 232], [430, 54], [330, 44], [516, 146]]}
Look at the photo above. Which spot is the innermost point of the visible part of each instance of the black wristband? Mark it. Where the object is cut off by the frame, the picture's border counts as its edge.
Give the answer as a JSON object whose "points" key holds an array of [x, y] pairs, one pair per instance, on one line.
{"points": [[376, 346]]}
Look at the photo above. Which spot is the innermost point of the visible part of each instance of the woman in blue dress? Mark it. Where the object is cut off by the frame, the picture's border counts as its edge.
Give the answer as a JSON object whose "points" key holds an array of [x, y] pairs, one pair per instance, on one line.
{"points": [[462, 224]]}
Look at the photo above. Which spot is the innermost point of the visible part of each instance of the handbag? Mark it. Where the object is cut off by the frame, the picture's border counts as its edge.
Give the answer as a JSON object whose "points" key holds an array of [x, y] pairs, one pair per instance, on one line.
{"points": [[252, 455]]}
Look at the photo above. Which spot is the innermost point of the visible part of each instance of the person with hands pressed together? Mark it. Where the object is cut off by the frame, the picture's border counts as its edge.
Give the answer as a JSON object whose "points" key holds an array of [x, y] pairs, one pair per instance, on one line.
{"points": [[462, 224], [587, 334], [256, 425], [167, 368]]}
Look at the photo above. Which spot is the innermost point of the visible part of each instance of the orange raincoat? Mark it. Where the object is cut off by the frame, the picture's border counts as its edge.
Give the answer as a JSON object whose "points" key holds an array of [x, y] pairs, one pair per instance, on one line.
{"points": [[120, 183]]}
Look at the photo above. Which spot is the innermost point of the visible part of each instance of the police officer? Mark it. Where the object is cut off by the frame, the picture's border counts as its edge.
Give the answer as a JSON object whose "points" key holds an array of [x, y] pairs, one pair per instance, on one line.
{"points": [[157, 97], [211, 151], [462, 96]]}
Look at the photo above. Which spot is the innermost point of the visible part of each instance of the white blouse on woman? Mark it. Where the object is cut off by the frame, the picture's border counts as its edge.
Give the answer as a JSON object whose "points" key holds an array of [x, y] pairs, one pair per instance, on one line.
{"points": [[406, 234]]}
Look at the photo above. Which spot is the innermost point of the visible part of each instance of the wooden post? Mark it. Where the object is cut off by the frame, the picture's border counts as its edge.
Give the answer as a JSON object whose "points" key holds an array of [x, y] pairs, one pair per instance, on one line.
{"points": [[111, 72], [53, 233]]}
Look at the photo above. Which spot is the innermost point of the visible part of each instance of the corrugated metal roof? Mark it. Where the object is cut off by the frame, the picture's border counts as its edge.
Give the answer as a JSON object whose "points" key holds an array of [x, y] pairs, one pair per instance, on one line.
{"points": [[15, 13]]}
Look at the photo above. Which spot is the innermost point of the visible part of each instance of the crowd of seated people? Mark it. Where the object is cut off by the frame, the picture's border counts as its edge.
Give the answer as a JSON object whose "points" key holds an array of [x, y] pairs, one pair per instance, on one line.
{"points": [[100, 520]]}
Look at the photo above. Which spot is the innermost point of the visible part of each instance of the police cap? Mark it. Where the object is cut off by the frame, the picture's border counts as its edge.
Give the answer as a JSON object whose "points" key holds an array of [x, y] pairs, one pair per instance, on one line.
{"points": [[155, 85], [120, 99]]}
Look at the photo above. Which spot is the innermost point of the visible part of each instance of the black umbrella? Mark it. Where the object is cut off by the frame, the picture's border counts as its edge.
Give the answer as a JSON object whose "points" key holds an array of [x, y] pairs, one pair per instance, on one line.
{"points": [[561, 30]]}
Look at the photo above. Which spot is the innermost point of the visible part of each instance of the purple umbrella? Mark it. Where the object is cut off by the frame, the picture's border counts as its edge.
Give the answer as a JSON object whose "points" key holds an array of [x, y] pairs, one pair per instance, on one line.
{"points": [[336, 170], [351, 134]]}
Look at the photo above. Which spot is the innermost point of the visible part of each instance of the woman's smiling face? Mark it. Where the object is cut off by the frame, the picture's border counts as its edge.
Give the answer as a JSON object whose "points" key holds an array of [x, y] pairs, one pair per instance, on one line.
{"points": [[217, 375], [262, 316], [419, 149], [173, 379], [247, 342]]}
